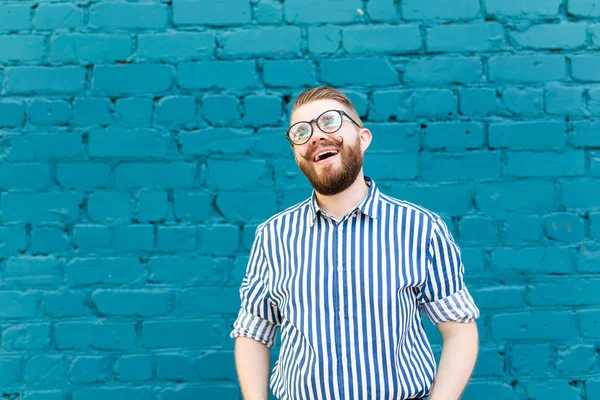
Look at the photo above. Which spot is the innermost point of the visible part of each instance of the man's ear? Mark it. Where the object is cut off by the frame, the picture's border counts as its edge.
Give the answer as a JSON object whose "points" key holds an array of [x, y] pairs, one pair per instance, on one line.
{"points": [[365, 139]]}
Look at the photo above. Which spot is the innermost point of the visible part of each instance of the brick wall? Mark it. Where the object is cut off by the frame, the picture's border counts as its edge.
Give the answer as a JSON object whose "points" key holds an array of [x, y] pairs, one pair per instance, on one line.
{"points": [[141, 142]]}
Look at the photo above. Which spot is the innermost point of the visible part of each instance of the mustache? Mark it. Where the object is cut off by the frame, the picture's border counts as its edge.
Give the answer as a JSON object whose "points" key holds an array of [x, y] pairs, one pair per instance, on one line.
{"points": [[325, 143]]}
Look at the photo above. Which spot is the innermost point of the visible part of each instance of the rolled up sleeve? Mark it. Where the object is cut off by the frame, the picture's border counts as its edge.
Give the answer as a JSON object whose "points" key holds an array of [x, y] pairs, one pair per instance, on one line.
{"points": [[444, 296], [258, 317]]}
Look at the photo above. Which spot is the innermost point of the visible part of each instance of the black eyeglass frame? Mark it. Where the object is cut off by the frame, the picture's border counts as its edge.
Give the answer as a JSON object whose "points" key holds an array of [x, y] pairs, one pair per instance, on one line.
{"points": [[342, 114]]}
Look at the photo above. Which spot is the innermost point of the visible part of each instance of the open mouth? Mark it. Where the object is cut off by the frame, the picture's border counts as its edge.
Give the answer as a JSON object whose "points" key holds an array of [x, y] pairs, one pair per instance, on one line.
{"points": [[324, 155]]}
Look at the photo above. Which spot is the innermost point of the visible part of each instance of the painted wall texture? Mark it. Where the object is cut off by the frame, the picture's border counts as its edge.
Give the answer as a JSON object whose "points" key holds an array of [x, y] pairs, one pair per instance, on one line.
{"points": [[142, 142]]}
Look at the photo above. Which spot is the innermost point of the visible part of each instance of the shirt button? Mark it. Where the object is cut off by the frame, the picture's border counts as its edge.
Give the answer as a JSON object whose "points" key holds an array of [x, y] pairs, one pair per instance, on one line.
{"points": [[340, 269], [342, 314]]}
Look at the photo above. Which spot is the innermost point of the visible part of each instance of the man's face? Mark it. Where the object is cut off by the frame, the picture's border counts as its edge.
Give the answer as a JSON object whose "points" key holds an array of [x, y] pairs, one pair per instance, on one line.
{"points": [[331, 174]]}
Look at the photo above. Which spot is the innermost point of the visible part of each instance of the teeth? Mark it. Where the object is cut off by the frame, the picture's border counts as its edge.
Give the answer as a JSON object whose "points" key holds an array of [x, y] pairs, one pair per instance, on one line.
{"points": [[318, 156]]}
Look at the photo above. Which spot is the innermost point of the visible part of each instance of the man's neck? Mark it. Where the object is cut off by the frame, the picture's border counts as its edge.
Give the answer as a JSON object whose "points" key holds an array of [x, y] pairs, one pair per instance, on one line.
{"points": [[342, 203]]}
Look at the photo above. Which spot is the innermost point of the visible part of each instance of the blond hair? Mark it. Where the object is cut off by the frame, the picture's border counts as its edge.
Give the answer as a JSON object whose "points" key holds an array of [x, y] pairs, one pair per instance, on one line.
{"points": [[325, 92]]}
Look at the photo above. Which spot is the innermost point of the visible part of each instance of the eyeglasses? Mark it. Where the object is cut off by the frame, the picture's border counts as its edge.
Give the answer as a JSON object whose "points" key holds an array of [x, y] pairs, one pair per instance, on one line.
{"points": [[329, 122]]}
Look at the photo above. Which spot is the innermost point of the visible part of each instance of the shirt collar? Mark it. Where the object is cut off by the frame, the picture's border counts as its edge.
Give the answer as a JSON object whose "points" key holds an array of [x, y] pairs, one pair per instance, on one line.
{"points": [[369, 205]]}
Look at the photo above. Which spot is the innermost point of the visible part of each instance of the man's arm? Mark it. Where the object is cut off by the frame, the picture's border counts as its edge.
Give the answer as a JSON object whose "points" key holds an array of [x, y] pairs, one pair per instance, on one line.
{"points": [[460, 345], [252, 361]]}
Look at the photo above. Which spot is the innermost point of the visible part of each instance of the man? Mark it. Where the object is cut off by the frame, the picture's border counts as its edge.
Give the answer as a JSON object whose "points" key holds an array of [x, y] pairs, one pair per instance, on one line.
{"points": [[345, 274]]}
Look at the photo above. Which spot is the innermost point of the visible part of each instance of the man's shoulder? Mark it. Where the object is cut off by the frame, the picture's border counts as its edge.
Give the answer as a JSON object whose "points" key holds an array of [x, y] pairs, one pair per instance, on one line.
{"points": [[401, 205], [290, 212]]}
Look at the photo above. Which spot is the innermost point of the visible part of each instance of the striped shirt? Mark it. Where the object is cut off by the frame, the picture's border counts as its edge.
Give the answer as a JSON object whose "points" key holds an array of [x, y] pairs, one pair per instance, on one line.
{"points": [[347, 296]]}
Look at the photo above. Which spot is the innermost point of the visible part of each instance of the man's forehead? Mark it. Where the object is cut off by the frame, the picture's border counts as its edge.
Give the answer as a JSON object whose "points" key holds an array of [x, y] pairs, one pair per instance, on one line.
{"points": [[312, 110]]}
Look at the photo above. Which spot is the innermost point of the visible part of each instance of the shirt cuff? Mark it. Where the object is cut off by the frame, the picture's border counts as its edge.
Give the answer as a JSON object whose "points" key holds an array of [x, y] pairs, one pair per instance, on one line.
{"points": [[253, 327], [458, 307]]}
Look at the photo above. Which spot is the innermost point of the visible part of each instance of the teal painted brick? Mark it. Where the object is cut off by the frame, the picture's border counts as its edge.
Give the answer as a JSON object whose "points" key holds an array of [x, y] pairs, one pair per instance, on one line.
{"points": [[594, 163], [518, 9], [466, 37], [114, 393], [13, 239], [175, 367], [109, 206], [176, 46], [448, 167], [584, 8], [217, 366], [176, 333], [359, 71], [192, 206], [532, 260], [593, 387], [540, 135], [63, 304], [131, 79], [478, 390], [46, 370], [15, 17], [562, 389], [538, 164], [44, 80], [175, 110], [264, 41], [49, 112], [589, 320], [551, 36], [18, 304], [518, 228], [434, 103], [292, 73], [133, 368], [593, 101], [577, 359], [527, 68], [142, 303], [565, 227], [262, 110], [175, 174], [10, 370], [491, 362], [549, 325], [443, 70], [583, 68], [33, 176], [100, 335], [394, 137], [218, 74], [134, 16], [152, 206], [189, 269], [330, 11], [390, 39], [383, 11], [391, 104], [201, 392], [454, 135], [587, 259], [451, 198], [221, 109], [270, 12], [324, 39], [58, 16], [393, 166], [580, 293], [92, 369], [498, 298], [252, 174], [271, 141], [91, 111], [585, 134], [247, 206], [49, 240], [12, 113], [23, 207], [26, 337], [360, 101], [212, 300], [133, 112], [219, 239], [98, 270], [211, 12], [478, 230], [44, 395], [517, 101], [176, 238], [90, 48], [130, 238], [82, 175], [478, 102], [138, 143], [531, 359], [21, 48], [91, 237], [565, 101], [451, 10]]}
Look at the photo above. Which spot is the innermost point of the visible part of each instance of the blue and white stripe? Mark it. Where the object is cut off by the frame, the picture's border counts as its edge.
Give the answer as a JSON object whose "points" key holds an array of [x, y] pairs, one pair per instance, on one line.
{"points": [[347, 296]]}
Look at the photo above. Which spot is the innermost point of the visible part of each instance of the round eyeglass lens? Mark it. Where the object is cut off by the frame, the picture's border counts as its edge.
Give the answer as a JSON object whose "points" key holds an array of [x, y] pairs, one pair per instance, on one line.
{"points": [[330, 121], [300, 132]]}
